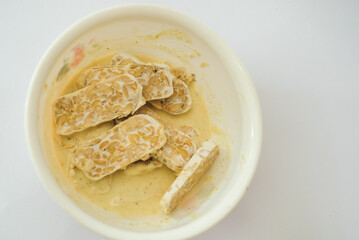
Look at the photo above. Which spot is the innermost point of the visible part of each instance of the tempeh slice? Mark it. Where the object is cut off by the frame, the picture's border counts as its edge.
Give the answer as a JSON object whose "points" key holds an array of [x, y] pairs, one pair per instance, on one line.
{"points": [[129, 141], [179, 102], [96, 74], [114, 98], [193, 133], [178, 148], [156, 79], [196, 167]]}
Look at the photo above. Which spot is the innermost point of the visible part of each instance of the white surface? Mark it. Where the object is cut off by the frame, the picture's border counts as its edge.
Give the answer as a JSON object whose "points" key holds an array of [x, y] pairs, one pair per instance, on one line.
{"points": [[303, 56]]}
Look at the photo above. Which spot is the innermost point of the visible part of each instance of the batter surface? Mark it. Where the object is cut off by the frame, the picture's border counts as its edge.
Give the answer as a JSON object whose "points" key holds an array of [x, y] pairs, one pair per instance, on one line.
{"points": [[137, 190]]}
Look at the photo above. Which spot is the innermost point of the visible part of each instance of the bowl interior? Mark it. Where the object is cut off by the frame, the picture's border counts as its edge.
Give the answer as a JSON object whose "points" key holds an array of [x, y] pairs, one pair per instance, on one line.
{"points": [[226, 88]]}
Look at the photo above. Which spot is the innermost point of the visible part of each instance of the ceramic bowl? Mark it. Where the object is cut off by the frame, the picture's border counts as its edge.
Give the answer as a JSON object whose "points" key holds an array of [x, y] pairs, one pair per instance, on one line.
{"points": [[222, 80]]}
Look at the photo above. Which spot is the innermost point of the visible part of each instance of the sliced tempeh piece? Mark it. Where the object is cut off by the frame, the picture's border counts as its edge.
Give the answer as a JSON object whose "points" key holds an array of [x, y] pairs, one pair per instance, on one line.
{"points": [[96, 74], [196, 167], [193, 133], [129, 141], [179, 102], [156, 79], [101, 102], [179, 147]]}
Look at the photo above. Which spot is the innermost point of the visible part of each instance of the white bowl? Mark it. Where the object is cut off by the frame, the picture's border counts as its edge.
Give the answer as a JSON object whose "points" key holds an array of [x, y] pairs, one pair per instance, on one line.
{"points": [[226, 86]]}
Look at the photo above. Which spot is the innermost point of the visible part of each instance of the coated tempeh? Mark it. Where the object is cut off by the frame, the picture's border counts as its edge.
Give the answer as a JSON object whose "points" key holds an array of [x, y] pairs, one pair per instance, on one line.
{"points": [[179, 147], [179, 102], [129, 141], [193, 133], [97, 74], [156, 79], [114, 98], [196, 167]]}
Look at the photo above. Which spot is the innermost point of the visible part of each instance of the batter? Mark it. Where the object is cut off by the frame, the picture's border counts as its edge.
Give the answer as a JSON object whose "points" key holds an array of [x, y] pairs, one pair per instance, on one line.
{"points": [[137, 190]]}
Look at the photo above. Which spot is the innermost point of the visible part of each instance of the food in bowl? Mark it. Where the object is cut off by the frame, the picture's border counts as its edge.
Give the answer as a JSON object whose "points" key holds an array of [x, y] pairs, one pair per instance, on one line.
{"points": [[223, 87], [119, 139]]}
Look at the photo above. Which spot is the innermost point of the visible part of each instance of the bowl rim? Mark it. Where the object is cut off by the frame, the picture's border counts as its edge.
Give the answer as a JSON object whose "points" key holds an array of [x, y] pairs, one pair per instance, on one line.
{"points": [[189, 230]]}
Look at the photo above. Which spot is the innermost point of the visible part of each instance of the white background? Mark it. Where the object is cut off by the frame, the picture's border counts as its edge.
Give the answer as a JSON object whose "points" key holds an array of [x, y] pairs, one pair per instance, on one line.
{"points": [[304, 59]]}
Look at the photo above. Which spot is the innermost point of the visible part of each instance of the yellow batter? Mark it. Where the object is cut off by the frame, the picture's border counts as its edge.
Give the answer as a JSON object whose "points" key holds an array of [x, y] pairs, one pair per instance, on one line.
{"points": [[126, 192]]}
